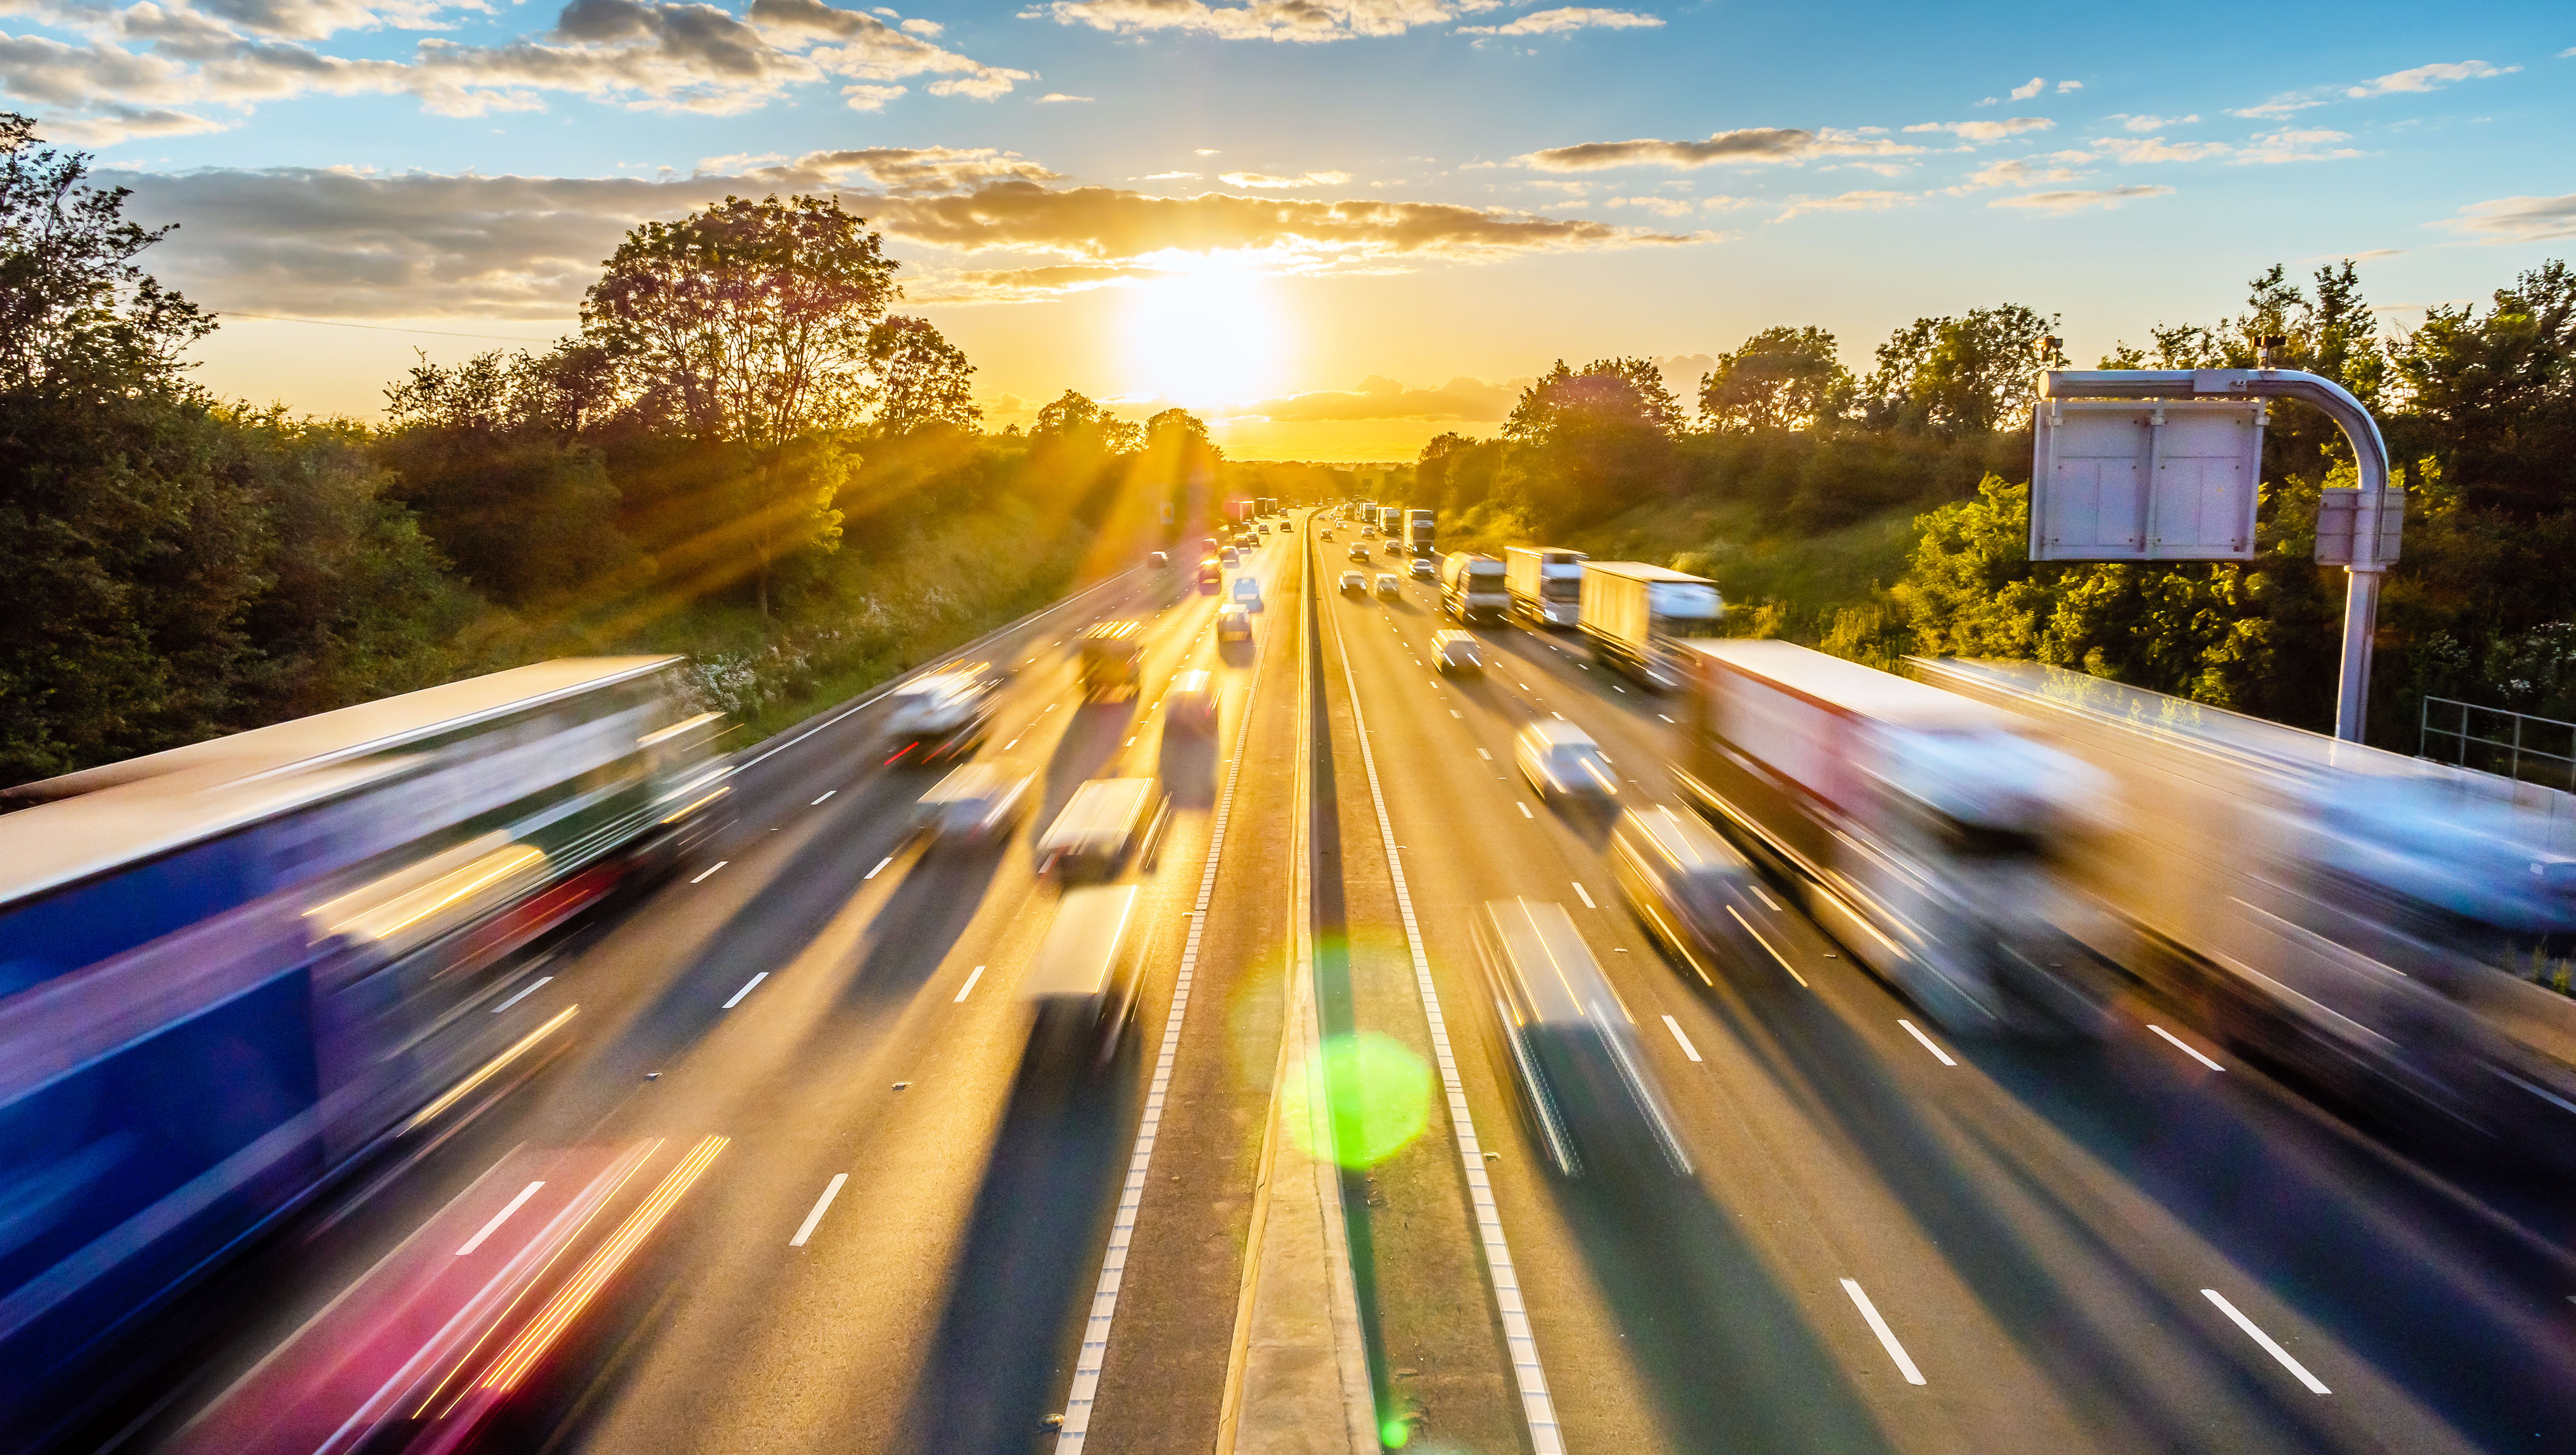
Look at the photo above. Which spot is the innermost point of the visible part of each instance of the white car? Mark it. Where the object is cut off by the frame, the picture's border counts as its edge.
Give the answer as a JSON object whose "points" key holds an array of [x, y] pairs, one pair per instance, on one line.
{"points": [[976, 804], [1422, 571], [1562, 761], [1355, 581], [1457, 651], [1387, 585]]}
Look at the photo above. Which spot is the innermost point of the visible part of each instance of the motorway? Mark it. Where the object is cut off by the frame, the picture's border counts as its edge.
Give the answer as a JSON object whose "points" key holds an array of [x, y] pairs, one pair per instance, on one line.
{"points": [[1888, 1241]]}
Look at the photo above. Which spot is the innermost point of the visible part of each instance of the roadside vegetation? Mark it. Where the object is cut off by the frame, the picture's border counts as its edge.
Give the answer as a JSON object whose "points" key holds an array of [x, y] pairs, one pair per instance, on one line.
{"points": [[1886, 514], [743, 455]]}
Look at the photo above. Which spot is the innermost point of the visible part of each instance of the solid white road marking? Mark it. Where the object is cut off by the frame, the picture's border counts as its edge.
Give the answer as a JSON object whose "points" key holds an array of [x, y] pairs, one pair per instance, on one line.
{"points": [[1013, 743], [1942, 1056], [2186, 1050], [1453, 712], [1481, 753], [1560, 717], [805, 1229], [880, 868], [978, 974], [1524, 808], [747, 987], [1766, 899], [710, 869], [1615, 687], [1886, 1335], [1675, 1027], [817, 803], [1585, 894], [1668, 719], [499, 1218], [540, 983], [1538, 1406], [1766, 944], [2315, 1386]]}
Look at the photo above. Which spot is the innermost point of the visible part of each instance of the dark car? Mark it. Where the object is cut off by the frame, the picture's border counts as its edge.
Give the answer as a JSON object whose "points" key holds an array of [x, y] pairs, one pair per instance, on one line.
{"points": [[1572, 1045], [1691, 889]]}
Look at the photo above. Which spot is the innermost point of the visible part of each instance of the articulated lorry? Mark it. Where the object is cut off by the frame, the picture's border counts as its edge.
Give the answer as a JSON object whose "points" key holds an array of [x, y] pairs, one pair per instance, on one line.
{"points": [[1916, 825], [2365, 919], [1545, 584], [1419, 528], [1636, 615]]}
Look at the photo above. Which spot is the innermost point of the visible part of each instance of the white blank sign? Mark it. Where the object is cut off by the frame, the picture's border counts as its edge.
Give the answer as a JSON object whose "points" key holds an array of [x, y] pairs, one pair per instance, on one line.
{"points": [[2144, 480]]}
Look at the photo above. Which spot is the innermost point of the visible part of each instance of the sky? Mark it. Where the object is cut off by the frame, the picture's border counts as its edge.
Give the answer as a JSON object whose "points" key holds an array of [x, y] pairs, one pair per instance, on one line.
{"points": [[1334, 228]]}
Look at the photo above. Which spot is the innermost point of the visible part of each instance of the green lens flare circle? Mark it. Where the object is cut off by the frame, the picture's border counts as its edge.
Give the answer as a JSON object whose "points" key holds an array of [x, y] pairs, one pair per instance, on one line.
{"points": [[1359, 1099]]}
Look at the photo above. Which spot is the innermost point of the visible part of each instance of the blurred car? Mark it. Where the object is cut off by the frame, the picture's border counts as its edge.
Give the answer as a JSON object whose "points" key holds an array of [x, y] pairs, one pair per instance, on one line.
{"points": [[1100, 824], [1247, 592], [1387, 585], [1359, 552], [1562, 761], [1263, 528], [1159, 560], [1328, 535], [942, 716], [977, 803], [1229, 557], [1457, 651], [1192, 702], [1422, 569], [1572, 1044], [1233, 624], [1082, 984], [1112, 654], [1355, 581], [1691, 889], [1392, 546], [1368, 532]]}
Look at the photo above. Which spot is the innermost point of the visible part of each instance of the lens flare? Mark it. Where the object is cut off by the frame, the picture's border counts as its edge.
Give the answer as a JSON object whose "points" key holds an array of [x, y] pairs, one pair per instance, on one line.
{"points": [[1376, 1092]]}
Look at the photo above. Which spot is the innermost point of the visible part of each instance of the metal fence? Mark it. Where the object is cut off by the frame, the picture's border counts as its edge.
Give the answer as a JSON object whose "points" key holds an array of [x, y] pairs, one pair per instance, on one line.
{"points": [[2512, 745]]}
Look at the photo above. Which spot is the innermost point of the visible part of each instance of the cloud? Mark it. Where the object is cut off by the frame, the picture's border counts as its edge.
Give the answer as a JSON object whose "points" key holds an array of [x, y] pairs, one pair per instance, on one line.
{"points": [[2065, 86], [2136, 151], [1303, 21], [2022, 172], [1267, 181], [1986, 130], [2413, 81], [1754, 144], [1573, 17], [338, 244], [153, 68], [2027, 89], [1053, 97], [2296, 146], [2150, 123], [1847, 202], [1660, 206], [2061, 203], [1462, 399], [2515, 219]]}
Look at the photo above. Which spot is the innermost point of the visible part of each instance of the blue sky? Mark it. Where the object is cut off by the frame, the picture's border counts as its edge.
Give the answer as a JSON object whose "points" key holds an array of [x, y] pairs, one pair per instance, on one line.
{"points": [[1336, 228]]}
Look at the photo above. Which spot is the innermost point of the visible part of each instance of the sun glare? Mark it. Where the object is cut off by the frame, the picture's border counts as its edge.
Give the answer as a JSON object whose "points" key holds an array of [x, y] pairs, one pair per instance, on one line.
{"points": [[1206, 337]]}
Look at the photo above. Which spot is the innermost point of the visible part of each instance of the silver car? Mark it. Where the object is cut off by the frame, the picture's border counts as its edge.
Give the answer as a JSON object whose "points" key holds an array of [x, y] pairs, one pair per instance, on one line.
{"points": [[1692, 891], [1457, 651], [1561, 761], [1573, 1045], [1101, 823], [979, 803]]}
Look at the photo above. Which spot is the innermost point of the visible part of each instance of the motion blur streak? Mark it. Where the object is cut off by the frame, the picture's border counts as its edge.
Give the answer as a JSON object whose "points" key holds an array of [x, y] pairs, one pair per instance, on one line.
{"points": [[575, 1296], [462, 1089]]}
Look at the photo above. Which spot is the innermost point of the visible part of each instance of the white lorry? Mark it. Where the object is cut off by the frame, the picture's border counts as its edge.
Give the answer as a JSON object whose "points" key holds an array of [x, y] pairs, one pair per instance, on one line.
{"points": [[1636, 616], [2365, 919], [1916, 825], [1545, 584], [1472, 589]]}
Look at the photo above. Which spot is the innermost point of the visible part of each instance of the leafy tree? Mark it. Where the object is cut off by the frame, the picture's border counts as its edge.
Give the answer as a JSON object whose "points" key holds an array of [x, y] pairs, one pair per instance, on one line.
{"points": [[754, 321], [1075, 419], [926, 380], [1781, 379], [79, 318], [1584, 443], [1958, 376], [2498, 392]]}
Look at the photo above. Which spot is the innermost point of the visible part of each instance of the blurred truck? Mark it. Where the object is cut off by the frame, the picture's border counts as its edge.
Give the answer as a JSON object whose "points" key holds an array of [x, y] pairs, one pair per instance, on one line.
{"points": [[2363, 919], [1112, 654], [1918, 826], [1082, 984], [1545, 584], [1420, 529], [1472, 588], [1098, 826], [1636, 616], [234, 971]]}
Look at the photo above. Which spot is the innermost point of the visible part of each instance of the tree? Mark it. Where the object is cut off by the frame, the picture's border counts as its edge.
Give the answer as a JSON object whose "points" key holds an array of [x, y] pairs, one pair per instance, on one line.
{"points": [[1959, 376], [754, 320], [2497, 393], [78, 316], [1584, 441], [926, 380], [1781, 379], [1076, 419]]}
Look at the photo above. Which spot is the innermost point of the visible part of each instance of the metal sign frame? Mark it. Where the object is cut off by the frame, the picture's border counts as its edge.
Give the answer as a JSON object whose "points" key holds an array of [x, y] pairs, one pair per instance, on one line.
{"points": [[2145, 480]]}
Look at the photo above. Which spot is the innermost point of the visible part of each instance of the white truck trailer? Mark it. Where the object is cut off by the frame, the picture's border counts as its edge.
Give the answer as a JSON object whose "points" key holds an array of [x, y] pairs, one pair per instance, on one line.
{"points": [[1916, 825], [1636, 615], [1545, 584], [2365, 919]]}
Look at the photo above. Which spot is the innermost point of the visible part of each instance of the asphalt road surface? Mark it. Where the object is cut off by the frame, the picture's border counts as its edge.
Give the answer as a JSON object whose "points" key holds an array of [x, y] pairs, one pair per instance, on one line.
{"points": [[1885, 1241]]}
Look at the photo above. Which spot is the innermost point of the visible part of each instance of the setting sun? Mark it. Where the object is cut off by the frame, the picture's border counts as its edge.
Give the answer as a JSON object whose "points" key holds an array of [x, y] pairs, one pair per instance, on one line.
{"points": [[1206, 337]]}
